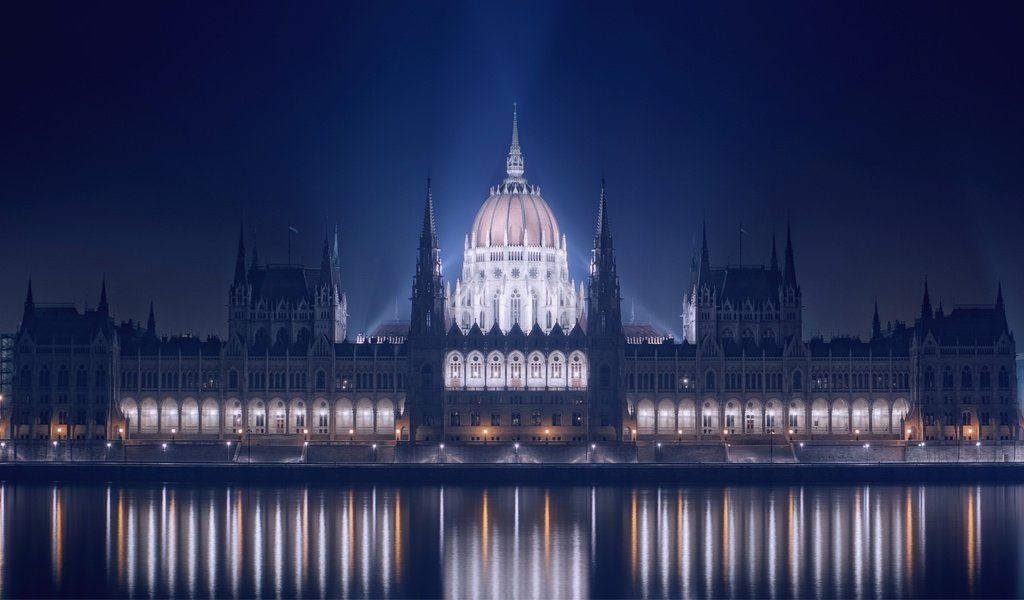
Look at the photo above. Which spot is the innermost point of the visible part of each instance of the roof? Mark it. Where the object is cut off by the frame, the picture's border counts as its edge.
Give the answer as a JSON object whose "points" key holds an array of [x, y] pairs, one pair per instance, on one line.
{"points": [[740, 283], [290, 283], [63, 324], [969, 324]]}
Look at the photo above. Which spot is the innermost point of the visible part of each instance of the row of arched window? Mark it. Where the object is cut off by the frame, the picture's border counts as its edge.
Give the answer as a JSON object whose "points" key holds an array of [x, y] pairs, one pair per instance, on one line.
{"points": [[967, 379], [63, 377], [516, 370]]}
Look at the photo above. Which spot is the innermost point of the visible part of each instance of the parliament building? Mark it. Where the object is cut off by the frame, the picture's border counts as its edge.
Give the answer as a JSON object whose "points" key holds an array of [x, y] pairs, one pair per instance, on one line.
{"points": [[513, 352]]}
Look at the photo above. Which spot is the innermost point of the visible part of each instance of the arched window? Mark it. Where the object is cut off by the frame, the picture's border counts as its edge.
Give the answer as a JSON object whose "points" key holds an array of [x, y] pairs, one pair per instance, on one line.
{"points": [[534, 308], [516, 306], [929, 378], [25, 379], [947, 378], [44, 377], [966, 380], [798, 380], [495, 366], [495, 305], [455, 419], [233, 380], [709, 380], [321, 380], [985, 378], [63, 379], [1004, 378], [81, 377]]}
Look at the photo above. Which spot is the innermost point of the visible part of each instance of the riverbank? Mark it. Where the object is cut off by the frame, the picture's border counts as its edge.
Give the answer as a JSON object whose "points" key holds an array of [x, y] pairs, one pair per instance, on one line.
{"points": [[505, 474]]}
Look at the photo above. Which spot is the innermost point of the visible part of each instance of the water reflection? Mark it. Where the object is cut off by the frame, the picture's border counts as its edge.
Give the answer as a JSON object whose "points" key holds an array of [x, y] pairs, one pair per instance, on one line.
{"points": [[510, 542]]}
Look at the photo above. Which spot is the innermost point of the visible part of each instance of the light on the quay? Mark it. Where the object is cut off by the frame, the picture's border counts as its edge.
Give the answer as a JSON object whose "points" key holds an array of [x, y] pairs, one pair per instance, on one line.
{"points": [[516, 445], [866, 446], [108, 444], [229, 443], [593, 446], [164, 446], [801, 444], [977, 443], [442, 446]]}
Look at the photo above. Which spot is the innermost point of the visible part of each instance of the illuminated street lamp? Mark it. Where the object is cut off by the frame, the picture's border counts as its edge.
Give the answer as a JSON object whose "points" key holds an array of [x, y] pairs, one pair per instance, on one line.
{"points": [[516, 446], [174, 431]]}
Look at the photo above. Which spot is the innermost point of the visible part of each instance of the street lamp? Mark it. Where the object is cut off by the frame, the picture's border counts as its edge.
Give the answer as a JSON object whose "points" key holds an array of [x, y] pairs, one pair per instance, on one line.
{"points": [[174, 431], [516, 446], [657, 455], [857, 432], [593, 450], [229, 450]]}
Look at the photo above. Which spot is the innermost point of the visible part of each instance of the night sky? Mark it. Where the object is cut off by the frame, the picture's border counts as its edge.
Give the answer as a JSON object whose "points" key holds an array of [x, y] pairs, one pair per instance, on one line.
{"points": [[137, 136]]}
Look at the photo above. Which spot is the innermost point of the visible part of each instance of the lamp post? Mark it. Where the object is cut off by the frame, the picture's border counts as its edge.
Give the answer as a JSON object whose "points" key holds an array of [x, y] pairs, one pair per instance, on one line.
{"points": [[546, 432], [229, 450], [440, 453], [485, 437], [375, 453], [60, 430], [124, 449], [593, 451], [174, 431], [657, 453], [516, 446]]}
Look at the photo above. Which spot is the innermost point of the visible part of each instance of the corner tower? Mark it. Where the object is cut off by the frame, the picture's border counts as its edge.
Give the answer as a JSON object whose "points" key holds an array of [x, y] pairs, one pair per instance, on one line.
{"points": [[605, 341]]}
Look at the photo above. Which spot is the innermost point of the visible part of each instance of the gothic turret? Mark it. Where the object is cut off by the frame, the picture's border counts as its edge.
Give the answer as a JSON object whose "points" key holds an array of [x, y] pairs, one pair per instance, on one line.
{"points": [[428, 302], [240, 278], [604, 337], [103, 308], [775, 256], [151, 321], [789, 274], [30, 305], [604, 315], [876, 324]]}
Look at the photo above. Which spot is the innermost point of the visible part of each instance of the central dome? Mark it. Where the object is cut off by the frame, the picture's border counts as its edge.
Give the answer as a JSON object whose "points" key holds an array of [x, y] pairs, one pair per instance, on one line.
{"points": [[515, 217], [515, 214]]}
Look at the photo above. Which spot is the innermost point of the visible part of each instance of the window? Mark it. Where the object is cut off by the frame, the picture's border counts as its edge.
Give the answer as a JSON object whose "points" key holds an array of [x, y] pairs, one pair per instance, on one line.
{"points": [[536, 419], [577, 419], [321, 380], [81, 377], [454, 419], [536, 369], [516, 419], [985, 378], [1004, 378], [798, 381], [965, 418], [556, 419], [516, 306], [495, 367], [475, 367], [929, 378], [947, 378], [966, 381], [63, 379], [44, 377], [709, 380], [474, 419]]}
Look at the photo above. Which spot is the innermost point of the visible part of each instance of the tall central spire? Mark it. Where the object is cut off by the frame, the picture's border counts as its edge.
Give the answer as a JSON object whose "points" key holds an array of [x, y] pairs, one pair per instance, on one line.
{"points": [[514, 164]]}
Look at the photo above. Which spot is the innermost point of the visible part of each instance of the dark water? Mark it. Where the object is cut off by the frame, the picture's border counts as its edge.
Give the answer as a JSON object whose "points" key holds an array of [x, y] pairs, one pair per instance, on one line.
{"points": [[932, 541]]}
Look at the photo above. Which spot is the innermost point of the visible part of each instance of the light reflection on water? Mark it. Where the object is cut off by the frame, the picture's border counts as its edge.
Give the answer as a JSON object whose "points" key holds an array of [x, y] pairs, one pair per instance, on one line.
{"points": [[265, 541]]}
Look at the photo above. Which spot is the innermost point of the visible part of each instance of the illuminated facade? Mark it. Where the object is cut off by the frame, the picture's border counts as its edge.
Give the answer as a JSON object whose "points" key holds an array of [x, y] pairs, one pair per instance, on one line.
{"points": [[518, 353]]}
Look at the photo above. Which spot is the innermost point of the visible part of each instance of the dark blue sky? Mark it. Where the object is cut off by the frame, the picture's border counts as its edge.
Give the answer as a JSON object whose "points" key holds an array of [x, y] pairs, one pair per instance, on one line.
{"points": [[136, 137]]}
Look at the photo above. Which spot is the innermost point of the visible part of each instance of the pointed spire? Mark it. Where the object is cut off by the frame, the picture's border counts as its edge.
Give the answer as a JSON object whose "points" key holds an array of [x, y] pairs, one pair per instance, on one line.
{"points": [[326, 266], [789, 275], [604, 231], [876, 324], [999, 297], [240, 258], [428, 237], [30, 304], [335, 257], [103, 308], [704, 275], [775, 255], [926, 303], [514, 164], [151, 321]]}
